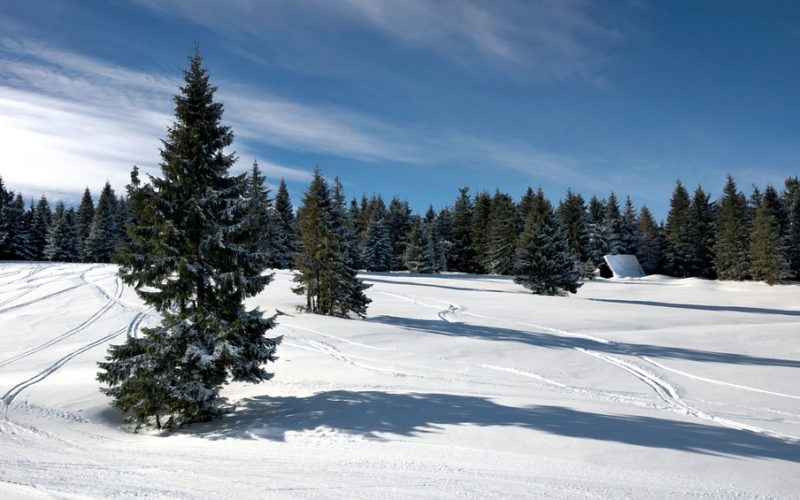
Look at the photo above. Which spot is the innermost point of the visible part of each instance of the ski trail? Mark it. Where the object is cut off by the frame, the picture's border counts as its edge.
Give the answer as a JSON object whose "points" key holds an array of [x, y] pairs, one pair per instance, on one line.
{"points": [[12, 393], [719, 382], [48, 296], [670, 395], [402, 297], [565, 333], [335, 337], [451, 310], [69, 333]]}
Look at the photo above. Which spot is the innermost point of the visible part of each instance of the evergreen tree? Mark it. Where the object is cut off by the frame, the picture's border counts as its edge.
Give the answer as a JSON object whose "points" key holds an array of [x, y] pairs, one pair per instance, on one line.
{"points": [[104, 231], [40, 221], [480, 226], [377, 253], [700, 260], [6, 222], [649, 248], [83, 221], [629, 229], [331, 287], [285, 244], [767, 259], [598, 232], [732, 246], [259, 207], [62, 242], [461, 257], [189, 259], [544, 263], [398, 222], [678, 255], [18, 232], [349, 294], [412, 255], [571, 214], [613, 222], [502, 235], [791, 200]]}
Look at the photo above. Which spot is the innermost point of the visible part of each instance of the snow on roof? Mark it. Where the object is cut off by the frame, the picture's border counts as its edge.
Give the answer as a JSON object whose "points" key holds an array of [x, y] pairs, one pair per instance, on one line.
{"points": [[624, 266]]}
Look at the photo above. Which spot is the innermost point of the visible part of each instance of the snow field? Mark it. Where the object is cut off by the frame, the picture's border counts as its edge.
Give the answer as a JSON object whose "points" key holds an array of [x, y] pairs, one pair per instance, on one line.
{"points": [[454, 386]]}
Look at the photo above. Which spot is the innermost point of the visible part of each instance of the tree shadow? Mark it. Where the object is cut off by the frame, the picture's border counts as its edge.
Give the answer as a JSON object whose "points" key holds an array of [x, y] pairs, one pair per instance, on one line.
{"points": [[374, 414], [552, 341], [371, 279], [700, 307]]}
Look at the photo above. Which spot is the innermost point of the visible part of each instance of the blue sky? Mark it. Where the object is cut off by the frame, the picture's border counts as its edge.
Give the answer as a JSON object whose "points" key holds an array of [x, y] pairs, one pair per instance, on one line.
{"points": [[412, 97]]}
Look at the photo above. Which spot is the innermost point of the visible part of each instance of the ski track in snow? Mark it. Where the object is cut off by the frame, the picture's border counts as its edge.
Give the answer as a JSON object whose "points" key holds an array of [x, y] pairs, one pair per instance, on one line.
{"points": [[12, 393], [663, 388]]}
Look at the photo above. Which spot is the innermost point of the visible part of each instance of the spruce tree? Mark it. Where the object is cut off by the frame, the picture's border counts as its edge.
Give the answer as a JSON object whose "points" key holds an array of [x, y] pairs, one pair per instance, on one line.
{"points": [[6, 223], [17, 239], [83, 221], [398, 221], [571, 214], [461, 257], [791, 200], [412, 255], [331, 286], [732, 246], [678, 254], [40, 221], [259, 206], [62, 242], [598, 233], [700, 260], [628, 229], [501, 245], [104, 231], [767, 259], [377, 253], [544, 263], [649, 249], [480, 227], [285, 244], [189, 259], [613, 222]]}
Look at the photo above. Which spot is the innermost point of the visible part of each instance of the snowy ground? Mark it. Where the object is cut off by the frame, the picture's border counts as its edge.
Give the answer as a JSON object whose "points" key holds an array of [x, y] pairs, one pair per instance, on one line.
{"points": [[454, 386]]}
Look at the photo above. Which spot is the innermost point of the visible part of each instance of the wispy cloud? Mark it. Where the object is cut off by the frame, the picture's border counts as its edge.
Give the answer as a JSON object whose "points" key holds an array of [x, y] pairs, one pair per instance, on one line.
{"points": [[68, 120], [544, 39]]}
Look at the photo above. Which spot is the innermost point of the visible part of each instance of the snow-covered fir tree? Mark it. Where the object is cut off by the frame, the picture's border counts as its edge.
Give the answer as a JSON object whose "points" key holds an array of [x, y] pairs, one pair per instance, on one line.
{"points": [[461, 257], [259, 207], [791, 202], [701, 235], [62, 241], [83, 220], [17, 239], [189, 259], [331, 287], [501, 244], [732, 246], [544, 263], [649, 248], [40, 220], [571, 214], [767, 256], [6, 199], [612, 219], [377, 253], [481, 213], [598, 233], [285, 240], [628, 228], [398, 223], [104, 231], [349, 297], [677, 234]]}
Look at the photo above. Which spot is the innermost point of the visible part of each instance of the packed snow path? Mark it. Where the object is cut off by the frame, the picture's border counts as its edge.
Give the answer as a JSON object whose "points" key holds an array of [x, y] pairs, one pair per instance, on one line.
{"points": [[453, 386]]}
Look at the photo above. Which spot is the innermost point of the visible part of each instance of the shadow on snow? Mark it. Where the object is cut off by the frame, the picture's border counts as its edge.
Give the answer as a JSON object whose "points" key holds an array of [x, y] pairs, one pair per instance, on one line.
{"points": [[700, 307], [374, 414], [538, 339]]}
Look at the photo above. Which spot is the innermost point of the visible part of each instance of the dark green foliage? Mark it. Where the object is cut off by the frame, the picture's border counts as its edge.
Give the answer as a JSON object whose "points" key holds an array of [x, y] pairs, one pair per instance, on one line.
{"points": [[323, 274], [572, 216], [398, 223], [482, 210], [259, 207], [6, 221], [677, 234], [598, 234], [104, 231], [791, 200], [189, 258], [285, 242], [767, 258], [544, 263], [40, 220], [732, 246], [461, 257], [62, 242], [649, 250], [700, 260], [613, 222], [501, 244], [83, 221], [628, 229]]}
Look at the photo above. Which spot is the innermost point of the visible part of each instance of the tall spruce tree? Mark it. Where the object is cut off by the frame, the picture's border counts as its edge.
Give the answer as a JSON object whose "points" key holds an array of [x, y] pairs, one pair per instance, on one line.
{"points": [[628, 228], [331, 287], [62, 241], [598, 232], [285, 244], [571, 214], [104, 231], [398, 222], [649, 249], [189, 259], [767, 258], [612, 219], [677, 233], [83, 220], [501, 245], [6, 223], [349, 297], [259, 208], [544, 263], [480, 227], [732, 246], [701, 235], [791, 200], [461, 257], [17, 239]]}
